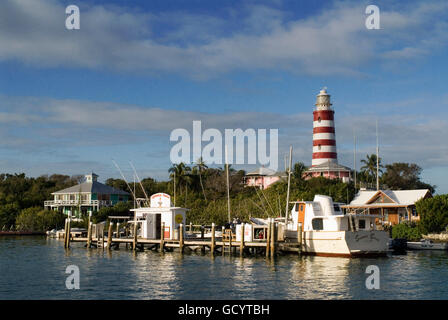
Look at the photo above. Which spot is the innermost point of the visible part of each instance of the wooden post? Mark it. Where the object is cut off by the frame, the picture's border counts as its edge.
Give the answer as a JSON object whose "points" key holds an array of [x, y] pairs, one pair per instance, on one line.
{"points": [[191, 228], [89, 233], [230, 241], [134, 242], [181, 238], [242, 239], [202, 232], [118, 229], [273, 234], [212, 244], [65, 233], [102, 238], [109, 235], [222, 240], [162, 236], [299, 237], [68, 233], [268, 238]]}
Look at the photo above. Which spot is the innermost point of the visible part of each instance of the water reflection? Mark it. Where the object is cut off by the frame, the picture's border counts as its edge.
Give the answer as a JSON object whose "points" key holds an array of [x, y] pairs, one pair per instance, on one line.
{"points": [[34, 268]]}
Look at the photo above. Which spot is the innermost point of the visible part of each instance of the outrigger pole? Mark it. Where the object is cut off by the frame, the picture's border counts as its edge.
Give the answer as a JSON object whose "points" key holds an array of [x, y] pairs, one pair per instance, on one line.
{"points": [[121, 173], [140, 182]]}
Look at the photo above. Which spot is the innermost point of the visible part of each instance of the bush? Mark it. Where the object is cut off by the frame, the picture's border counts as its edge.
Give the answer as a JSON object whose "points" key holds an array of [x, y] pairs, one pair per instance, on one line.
{"points": [[120, 209], [433, 213], [37, 219], [406, 230]]}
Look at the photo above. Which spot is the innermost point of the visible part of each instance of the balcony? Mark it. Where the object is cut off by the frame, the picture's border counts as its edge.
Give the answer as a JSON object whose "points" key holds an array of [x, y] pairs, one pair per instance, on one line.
{"points": [[56, 203]]}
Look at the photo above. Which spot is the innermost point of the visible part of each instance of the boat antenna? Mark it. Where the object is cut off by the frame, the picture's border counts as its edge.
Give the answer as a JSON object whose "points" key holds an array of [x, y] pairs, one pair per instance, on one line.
{"points": [[140, 182], [354, 155], [121, 173], [377, 159]]}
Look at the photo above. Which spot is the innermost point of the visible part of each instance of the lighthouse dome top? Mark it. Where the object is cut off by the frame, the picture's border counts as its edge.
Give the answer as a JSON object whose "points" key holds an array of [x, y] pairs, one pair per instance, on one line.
{"points": [[323, 99]]}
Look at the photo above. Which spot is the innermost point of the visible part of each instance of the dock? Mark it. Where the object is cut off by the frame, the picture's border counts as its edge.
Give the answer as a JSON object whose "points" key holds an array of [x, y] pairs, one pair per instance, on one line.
{"points": [[191, 238]]}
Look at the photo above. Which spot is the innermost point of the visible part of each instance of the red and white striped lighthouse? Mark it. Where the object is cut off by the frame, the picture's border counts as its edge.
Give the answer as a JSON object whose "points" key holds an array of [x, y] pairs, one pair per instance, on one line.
{"points": [[324, 138]]}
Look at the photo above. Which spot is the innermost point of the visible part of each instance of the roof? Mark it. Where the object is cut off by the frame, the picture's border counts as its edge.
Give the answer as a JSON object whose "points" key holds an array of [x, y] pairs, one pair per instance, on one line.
{"points": [[328, 166], [262, 171], [400, 197], [92, 187]]}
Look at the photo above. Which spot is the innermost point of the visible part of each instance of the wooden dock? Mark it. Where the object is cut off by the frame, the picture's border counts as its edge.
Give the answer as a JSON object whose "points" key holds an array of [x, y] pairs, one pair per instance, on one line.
{"points": [[193, 241]]}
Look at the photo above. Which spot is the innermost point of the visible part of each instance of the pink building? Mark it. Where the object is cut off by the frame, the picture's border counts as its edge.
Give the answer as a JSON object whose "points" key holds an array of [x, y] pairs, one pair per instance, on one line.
{"points": [[325, 157], [262, 178]]}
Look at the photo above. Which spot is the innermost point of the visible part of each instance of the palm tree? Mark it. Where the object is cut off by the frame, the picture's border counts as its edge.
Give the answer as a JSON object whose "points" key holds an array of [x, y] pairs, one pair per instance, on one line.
{"points": [[369, 167], [200, 165], [182, 173]]}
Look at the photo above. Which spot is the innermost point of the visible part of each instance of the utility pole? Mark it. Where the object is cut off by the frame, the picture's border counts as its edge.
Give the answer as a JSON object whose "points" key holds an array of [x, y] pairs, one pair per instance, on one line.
{"points": [[289, 184], [377, 159]]}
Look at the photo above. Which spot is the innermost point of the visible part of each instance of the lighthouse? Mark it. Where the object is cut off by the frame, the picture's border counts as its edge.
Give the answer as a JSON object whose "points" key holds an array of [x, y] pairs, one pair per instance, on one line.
{"points": [[325, 158], [324, 138]]}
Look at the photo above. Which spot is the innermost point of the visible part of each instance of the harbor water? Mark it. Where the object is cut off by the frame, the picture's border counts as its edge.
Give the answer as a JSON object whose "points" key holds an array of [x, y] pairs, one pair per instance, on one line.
{"points": [[34, 267]]}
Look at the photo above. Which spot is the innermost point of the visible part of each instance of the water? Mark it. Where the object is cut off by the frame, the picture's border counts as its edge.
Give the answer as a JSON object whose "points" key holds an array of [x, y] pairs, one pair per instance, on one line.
{"points": [[34, 268]]}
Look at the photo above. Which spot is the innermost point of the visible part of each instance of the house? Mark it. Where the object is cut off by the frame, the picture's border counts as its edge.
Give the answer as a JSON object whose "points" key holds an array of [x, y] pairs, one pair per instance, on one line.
{"points": [[86, 197], [330, 170], [262, 178], [393, 206]]}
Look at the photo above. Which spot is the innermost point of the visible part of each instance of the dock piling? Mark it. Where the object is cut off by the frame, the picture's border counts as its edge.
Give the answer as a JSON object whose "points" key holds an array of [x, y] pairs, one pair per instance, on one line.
{"points": [[162, 236], [109, 235], [181, 238], [268, 238], [212, 244], [242, 239]]}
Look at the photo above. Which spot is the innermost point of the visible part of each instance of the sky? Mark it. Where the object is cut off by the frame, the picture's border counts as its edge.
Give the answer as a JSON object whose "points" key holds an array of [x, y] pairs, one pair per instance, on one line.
{"points": [[73, 100]]}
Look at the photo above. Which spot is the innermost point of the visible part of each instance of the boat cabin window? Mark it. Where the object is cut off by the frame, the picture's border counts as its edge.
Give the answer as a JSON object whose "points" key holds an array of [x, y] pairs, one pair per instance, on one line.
{"points": [[318, 224], [336, 208], [362, 224], [298, 207]]}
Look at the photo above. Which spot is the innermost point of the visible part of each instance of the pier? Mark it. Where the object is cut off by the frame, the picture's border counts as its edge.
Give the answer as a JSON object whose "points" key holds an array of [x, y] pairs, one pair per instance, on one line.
{"points": [[192, 238]]}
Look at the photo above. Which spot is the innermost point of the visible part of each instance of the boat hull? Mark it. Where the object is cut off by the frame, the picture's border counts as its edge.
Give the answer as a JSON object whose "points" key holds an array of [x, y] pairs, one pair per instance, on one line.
{"points": [[346, 243]]}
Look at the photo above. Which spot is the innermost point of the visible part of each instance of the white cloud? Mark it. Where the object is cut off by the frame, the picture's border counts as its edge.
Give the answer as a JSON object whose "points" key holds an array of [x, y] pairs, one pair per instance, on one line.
{"points": [[334, 41]]}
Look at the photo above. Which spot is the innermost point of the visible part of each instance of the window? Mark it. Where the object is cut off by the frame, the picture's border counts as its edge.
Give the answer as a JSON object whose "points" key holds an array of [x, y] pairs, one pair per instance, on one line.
{"points": [[319, 146], [362, 224], [336, 207], [296, 207], [318, 224], [318, 119]]}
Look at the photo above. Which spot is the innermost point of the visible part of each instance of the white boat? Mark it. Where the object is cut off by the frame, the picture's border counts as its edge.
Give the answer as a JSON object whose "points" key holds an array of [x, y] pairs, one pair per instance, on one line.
{"points": [[426, 244], [327, 231]]}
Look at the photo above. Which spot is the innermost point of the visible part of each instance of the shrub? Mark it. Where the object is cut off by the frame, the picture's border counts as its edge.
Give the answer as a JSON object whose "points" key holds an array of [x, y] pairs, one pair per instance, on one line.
{"points": [[37, 219], [406, 230], [433, 213]]}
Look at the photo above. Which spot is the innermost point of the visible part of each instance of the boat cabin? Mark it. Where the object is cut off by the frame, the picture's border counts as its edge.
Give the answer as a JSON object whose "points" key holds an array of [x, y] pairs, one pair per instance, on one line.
{"points": [[322, 214], [161, 210]]}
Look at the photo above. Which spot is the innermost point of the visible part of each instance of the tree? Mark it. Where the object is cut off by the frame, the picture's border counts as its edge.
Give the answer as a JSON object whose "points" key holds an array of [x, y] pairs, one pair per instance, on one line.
{"points": [[369, 167], [200, 166], [404, 176], [298, 170], [181, 173], [37, 219], [433, 213]]}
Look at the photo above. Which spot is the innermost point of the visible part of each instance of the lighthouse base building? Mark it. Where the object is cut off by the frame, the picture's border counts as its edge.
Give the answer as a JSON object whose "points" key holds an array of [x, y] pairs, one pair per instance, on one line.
{"points": [[325, 158]]}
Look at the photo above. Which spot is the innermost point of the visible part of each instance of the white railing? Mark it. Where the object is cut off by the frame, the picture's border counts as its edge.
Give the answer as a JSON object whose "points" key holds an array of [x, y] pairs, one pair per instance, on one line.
{"points": [[50, 203]]}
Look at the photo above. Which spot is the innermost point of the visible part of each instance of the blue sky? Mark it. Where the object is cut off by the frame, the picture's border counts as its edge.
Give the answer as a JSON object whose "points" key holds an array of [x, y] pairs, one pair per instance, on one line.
{"points": [[70, 101]]}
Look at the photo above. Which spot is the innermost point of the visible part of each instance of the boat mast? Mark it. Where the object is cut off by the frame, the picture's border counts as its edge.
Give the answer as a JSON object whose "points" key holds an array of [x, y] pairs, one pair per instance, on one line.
{"points": [[289, 184], [228, 187]]}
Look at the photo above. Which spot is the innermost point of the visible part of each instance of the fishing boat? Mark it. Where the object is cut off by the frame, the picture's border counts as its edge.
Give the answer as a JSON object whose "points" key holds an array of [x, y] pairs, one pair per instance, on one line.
{"points": [[327, 231], [426, 244]]}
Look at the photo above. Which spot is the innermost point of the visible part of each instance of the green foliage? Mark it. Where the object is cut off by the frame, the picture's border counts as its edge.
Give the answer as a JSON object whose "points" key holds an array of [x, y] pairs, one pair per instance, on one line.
{"points": [[37, 219], [404, 176], [406, 230], [120, 209], [433, 213]]}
